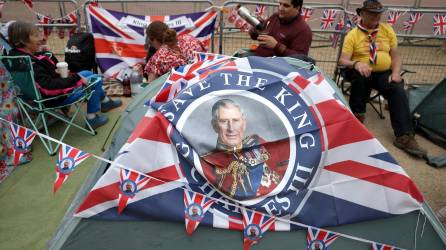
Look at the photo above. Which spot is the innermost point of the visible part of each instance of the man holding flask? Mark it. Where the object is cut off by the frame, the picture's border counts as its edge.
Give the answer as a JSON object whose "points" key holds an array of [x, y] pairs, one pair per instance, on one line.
{"points": [[285, 33]]}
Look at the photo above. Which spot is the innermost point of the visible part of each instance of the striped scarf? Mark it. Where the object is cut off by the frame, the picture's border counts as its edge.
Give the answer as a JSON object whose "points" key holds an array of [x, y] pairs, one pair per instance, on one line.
{"points": [[372, 42]]}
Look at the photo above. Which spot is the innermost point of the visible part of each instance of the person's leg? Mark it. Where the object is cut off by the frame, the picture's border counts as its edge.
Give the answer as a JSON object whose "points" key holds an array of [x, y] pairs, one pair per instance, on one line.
{"points": [[396, 97], [359, 92], [94, 103], [399, 113]]}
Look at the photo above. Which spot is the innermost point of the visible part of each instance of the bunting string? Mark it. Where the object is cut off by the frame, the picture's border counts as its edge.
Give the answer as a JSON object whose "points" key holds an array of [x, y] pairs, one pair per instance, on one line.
{"points": [[225, 202]]}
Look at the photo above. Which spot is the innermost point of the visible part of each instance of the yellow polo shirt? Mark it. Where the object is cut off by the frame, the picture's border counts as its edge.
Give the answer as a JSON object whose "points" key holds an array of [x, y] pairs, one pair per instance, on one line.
{"points": [[356, 43]]}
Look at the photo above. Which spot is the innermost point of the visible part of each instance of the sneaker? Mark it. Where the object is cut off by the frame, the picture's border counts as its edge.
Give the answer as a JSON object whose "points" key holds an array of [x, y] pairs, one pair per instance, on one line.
{"points": [[360, 117], [408, 144], [98, 121], [111, 104]]}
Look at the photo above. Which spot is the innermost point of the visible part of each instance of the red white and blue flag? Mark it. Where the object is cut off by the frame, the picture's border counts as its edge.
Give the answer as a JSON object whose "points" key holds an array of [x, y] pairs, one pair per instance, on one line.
{"points": [[320, 239], [306, 13], [393, 16], [68, 159], [260, 10], [195, 207], [377, 246], [439, 24], [328, 18], [130, 182], [119, 37], [300, 154], [255, 225], [22, 139], [412, 20]]}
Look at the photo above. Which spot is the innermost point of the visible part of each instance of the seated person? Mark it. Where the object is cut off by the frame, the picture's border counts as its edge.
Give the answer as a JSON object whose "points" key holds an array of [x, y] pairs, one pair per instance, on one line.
{"points": [[285, 33], [171, 50], [370, 53], [26, 39]]}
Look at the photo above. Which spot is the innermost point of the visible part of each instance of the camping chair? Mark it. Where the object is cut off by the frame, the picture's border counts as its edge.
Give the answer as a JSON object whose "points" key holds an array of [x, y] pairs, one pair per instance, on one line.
{"points": [[29, 100]]}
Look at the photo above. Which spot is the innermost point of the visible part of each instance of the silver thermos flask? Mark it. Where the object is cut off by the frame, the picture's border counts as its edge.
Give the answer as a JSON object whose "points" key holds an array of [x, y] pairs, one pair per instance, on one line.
{"points": [[246, 15]]}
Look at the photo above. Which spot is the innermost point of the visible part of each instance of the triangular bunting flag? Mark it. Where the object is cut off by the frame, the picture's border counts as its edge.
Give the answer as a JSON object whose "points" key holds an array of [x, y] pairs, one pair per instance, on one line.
{"points": [[69, 158], [195, 207], [306, 13], [413, 19], [439, 25], [21, 140], [255, 224], [392, 16], [319, 239], [130, 183], [377, 246], [328, 18], [28, 3]]}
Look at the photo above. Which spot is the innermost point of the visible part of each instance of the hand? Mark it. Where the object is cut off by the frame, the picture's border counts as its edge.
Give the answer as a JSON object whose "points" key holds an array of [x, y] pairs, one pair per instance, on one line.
{"points": [[363, 69], [395, 77], [267, 41]]}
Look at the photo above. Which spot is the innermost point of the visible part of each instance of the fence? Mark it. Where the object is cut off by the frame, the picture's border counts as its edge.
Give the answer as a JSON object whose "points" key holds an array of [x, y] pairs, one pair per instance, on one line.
{"points": [[420, 52]]}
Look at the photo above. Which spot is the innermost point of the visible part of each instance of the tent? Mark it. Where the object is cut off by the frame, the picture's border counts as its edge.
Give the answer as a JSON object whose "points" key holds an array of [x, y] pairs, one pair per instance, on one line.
{"points": [[420, 228]]}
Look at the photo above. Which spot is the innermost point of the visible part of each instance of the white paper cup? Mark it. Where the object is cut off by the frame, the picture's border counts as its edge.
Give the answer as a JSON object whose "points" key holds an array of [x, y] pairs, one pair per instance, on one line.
{"points": [[62, 68]]}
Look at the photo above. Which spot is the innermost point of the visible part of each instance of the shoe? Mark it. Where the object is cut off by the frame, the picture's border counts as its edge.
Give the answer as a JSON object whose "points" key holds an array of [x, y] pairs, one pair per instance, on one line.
{"points": [[98, 121], [111, 104], [408, 144], [360, 117]]}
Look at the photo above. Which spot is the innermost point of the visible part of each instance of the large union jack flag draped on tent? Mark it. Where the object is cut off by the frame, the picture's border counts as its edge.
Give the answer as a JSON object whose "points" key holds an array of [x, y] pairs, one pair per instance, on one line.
{"points": [[258, 134], [22, 138], [119, 37]]}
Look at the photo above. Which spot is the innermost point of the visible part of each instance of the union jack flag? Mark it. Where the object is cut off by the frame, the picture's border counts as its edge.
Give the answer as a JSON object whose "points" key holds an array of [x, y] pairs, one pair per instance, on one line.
{"points": [[392, 16], [339, 27], [45, 20], [130, 183], [255, 225], [439, 25], [183, 76], [119, 37], [170, 143], [306, 13], [328, 18], [412, 20], [377, 246], [260, 10], [320, 239], [195, 207], [68, 159], [21, 140]]}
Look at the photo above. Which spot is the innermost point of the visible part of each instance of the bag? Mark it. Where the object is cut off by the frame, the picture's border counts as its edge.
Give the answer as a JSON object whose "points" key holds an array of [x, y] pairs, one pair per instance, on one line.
{"points": [[80, 52]]}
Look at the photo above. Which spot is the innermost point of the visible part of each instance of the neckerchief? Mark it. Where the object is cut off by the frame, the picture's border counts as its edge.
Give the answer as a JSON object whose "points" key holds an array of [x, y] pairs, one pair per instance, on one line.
{"points": [[372, 42]]}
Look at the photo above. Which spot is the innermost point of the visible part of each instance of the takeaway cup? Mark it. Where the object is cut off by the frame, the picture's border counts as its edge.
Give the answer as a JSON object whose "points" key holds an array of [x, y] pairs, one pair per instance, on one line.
{"points": [[62, 68]]}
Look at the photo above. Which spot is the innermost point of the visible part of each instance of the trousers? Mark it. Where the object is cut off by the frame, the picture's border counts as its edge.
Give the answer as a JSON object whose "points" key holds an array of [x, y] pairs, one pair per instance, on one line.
{"points": [[394, 93], [94, 103]]}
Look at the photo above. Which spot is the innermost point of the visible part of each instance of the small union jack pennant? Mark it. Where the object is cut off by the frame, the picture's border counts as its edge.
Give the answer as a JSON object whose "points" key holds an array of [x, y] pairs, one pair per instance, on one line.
{"points": [[377, 246], [328, 18], [439, 25], [260, 10], [21, 140], [72, 18], [232, 15], [255, 224], [45, 20], [320, 239], [130, 183], [68, 159], [306, 13], [392, 16], [339, 26], [195, 207], [413, 19]]}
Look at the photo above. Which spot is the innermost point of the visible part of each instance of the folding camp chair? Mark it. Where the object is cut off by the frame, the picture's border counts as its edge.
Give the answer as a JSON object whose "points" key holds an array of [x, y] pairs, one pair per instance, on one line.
{"points": [[29, 100]]}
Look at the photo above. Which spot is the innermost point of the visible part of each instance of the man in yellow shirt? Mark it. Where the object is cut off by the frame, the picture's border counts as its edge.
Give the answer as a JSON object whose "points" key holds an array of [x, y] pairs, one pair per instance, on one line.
{"points": [[371, 56]]}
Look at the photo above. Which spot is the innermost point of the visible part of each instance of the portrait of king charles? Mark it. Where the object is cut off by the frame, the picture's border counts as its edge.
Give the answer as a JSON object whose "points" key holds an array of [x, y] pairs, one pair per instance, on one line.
{"points": [[242, 166]]}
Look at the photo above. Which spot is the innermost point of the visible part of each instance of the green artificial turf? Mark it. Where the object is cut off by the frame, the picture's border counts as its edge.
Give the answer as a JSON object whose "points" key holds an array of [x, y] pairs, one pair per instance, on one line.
{"points": [[29, 211]]}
